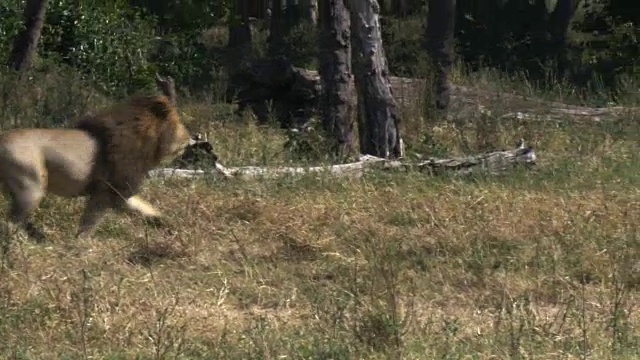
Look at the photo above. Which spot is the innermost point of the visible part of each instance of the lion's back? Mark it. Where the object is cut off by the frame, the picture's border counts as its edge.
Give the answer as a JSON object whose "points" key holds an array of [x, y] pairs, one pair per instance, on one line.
{"points": [[60, 159]]}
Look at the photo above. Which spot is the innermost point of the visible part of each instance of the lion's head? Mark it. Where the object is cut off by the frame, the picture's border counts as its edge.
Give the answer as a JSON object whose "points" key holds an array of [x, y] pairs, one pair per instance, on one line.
{"points": [[134, 137]]}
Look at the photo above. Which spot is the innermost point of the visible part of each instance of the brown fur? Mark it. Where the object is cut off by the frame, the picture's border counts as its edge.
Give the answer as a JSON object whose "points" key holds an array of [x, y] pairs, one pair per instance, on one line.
{"points": [[144, 125], [106, 158]]}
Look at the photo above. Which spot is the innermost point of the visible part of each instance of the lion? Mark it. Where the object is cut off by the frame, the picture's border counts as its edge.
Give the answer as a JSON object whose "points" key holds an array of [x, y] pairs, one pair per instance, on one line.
{"points": [[104, 158]]}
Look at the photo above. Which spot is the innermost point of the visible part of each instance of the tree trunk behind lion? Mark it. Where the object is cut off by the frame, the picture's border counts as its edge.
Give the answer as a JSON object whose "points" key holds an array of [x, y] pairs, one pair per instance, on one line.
{"points": [[25, 44], [378, 116], [335, 74]]}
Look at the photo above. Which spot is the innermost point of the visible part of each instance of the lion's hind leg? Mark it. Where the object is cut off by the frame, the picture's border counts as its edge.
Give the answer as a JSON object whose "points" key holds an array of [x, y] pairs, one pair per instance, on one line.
{"points": [[25, 197]]}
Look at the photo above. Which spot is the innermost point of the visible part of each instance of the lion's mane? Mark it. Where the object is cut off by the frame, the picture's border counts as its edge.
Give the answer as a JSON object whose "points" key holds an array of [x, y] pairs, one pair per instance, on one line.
{"points": [[133, 138]]}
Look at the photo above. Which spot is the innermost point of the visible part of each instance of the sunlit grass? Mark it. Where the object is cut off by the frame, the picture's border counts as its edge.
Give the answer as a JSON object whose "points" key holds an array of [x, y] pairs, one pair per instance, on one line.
{"points": [[534, 264]]}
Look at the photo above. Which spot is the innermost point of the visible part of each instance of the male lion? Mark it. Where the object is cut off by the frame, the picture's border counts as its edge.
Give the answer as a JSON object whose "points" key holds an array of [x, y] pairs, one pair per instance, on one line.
{"points": [[105, 157]]}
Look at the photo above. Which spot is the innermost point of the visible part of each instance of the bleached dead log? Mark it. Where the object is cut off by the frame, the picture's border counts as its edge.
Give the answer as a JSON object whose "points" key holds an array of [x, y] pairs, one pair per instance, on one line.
{"points": [[247, 172], [495, 162], [492, 163]]}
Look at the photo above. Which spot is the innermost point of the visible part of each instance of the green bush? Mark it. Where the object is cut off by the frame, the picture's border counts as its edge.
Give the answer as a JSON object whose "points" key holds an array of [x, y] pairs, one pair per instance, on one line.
{"points": [[301, 45], [109, 44], [185, 16], [50, 95], [403, 40], [602, 42], [10, 24], [187, 59]]}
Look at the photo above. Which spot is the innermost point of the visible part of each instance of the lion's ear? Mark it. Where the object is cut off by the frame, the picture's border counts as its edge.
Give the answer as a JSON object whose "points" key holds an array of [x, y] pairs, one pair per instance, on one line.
{"points": [[168, 87]]}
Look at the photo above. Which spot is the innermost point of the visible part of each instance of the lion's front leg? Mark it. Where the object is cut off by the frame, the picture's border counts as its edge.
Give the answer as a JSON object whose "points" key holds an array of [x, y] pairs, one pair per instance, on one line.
{"points": [[135, 204], [94, 211], [148, 211]]}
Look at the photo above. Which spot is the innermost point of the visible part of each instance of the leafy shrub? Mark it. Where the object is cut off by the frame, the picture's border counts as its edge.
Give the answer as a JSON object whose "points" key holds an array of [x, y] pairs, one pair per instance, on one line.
{"points": [[10, 25], [50, 95], [185, 16], [185, 57], [403, 40], [301, 45], [109, 44], [515, 36]]}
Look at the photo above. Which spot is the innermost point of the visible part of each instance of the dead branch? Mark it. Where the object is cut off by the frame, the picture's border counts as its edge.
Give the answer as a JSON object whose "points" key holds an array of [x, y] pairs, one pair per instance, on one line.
{"points": [[491, 163]]}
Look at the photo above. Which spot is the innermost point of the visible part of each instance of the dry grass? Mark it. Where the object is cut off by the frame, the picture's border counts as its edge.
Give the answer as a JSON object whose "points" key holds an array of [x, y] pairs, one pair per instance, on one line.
{"points": [[534, 265]]}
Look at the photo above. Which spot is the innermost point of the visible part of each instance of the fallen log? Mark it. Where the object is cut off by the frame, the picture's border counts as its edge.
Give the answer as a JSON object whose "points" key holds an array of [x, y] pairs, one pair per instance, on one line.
{"points": [[495, 162]]}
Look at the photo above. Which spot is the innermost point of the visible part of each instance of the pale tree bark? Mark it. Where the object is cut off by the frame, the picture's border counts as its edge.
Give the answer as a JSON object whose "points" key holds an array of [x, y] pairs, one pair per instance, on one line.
{"points": [[26, 42], [335, 74], [378, 116]]}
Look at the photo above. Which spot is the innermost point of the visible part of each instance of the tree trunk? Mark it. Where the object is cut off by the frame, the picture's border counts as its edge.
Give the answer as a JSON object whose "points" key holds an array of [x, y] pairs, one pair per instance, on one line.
{"points": [[26, 42], [335, 74], [276, 28], [439, 41], [561, 20], [404, 8], [240, 32], [258, 8], [291, 14], [387, 6], [238, 46], [292, 92], [310, 10], [378, 116]]}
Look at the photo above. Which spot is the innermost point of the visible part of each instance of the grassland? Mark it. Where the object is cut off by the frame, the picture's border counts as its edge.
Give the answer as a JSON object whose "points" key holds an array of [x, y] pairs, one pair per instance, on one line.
{"points": [[541, 264]]}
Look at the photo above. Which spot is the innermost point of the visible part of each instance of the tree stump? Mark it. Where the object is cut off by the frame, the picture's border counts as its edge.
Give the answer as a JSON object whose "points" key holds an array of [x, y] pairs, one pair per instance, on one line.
{"points": [[292, 92]]}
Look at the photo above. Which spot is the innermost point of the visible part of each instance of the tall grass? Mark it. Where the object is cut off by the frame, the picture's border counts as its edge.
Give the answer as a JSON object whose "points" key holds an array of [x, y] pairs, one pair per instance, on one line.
{"points": [[537, 264]]}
